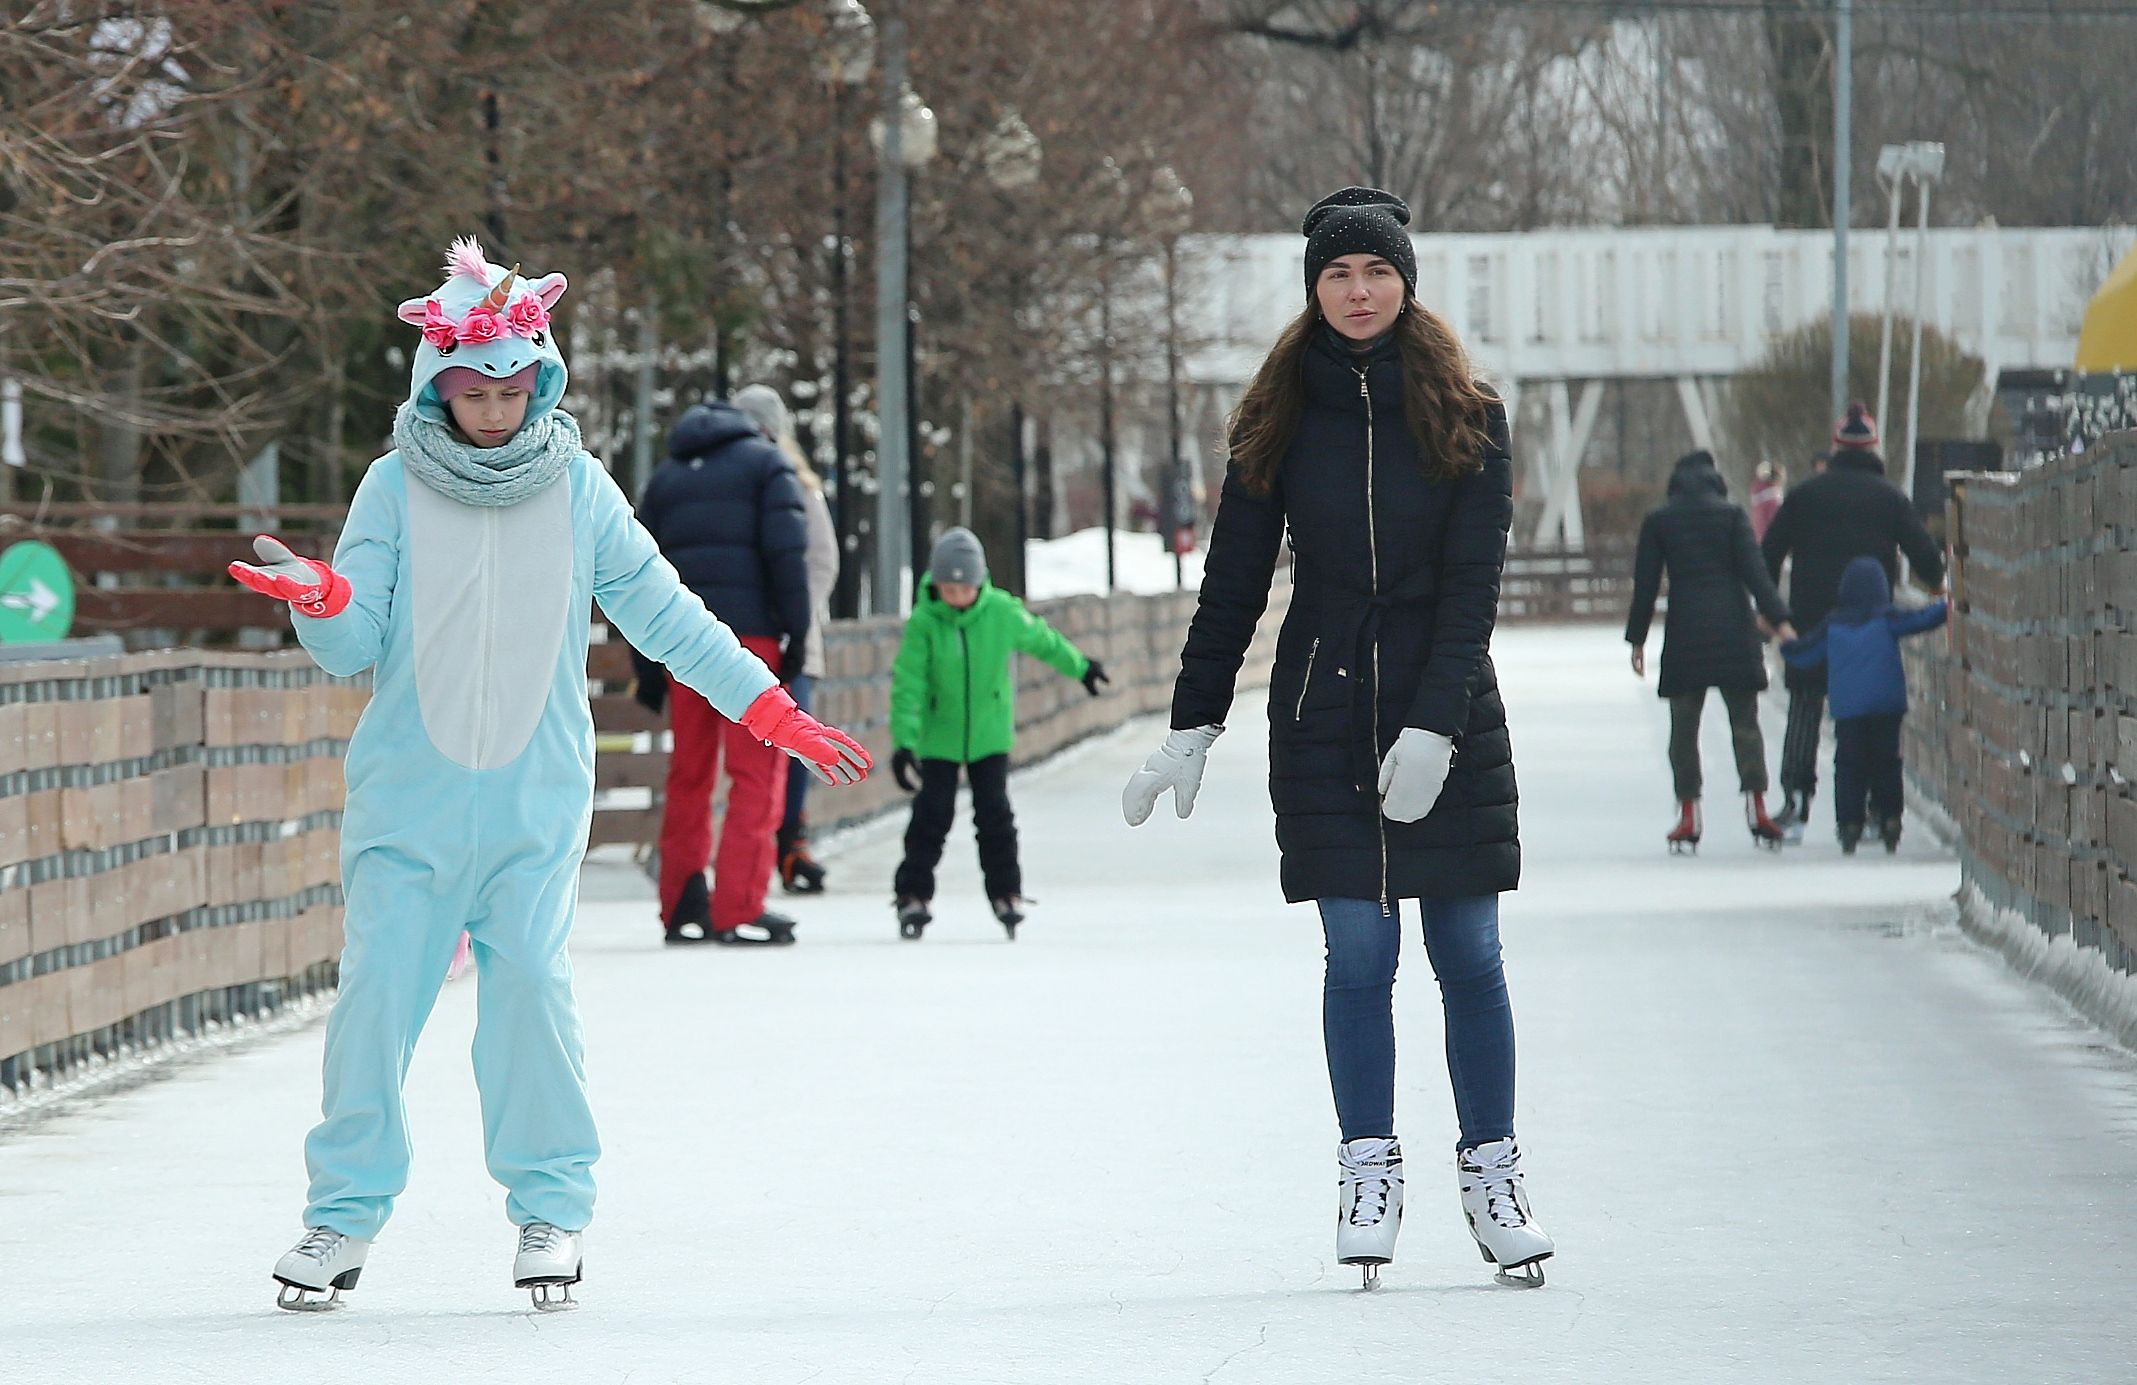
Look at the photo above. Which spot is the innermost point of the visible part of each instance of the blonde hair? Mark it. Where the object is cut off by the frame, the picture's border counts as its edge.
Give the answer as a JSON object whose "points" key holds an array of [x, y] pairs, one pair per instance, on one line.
{"points": [[800, 459]]}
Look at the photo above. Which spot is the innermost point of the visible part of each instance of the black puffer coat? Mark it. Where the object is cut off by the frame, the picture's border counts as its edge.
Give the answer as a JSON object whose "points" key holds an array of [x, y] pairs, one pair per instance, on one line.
{"points": [[726, 508], [1847, 511], [1396, 590], [1705, 545]]}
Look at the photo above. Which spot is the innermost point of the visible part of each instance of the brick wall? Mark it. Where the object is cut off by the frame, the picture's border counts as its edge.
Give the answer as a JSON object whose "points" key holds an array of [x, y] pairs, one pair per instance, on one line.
{"points": [[2024, 728]]}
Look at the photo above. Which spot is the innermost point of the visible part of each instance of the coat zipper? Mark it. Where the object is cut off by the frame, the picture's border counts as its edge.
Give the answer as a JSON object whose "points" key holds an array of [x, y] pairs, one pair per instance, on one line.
{"points": [[1372, 544], [964, 643], [1299, 713]]}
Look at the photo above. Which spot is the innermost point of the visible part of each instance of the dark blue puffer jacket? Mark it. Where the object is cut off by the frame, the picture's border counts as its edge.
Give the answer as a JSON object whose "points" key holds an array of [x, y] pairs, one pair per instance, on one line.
{"points": [[1860, 644], [726, 508]]}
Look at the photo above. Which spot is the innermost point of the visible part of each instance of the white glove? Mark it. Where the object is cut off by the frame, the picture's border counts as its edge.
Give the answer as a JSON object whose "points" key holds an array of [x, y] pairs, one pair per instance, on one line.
{"points": [[1176, 765], [1413, 774]]}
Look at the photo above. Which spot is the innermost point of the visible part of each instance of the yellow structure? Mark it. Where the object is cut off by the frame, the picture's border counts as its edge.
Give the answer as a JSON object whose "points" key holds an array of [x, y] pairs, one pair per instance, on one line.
{"points": [[2108, 340]]}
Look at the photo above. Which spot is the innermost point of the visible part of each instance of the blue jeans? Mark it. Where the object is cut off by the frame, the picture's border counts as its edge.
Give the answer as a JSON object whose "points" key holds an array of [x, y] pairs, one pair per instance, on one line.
{"points": [[798, 777], [1358, 1013]]}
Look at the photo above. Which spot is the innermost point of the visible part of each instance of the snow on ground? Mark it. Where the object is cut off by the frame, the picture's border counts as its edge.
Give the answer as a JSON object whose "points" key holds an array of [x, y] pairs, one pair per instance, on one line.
{"points": [[1075, 565], [1787, 1125]]}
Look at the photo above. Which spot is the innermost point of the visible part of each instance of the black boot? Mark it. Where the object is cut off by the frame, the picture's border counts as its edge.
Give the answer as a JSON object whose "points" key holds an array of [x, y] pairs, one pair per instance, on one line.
{"points": [[1888, 831], [913, 917], [798, 871], [692, 920], [1009, 911], [1850, 837]]}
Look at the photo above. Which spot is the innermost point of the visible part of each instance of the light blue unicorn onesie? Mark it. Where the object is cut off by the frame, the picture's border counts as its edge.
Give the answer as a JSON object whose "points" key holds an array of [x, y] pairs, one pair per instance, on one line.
{"points": [[470, 576]]}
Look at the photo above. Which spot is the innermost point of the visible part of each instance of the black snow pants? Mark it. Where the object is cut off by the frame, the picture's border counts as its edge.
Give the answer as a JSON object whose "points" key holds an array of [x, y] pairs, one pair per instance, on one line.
{"points": [[993, 821]]}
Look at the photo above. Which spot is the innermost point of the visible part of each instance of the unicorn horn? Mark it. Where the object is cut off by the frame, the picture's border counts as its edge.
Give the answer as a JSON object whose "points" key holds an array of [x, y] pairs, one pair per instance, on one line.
{"points": [[495, 302]]}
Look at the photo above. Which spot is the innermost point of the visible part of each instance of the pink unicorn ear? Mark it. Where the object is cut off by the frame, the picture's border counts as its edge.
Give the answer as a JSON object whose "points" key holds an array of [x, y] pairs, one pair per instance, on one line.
{"points": [[411, 311], [549, 288]]}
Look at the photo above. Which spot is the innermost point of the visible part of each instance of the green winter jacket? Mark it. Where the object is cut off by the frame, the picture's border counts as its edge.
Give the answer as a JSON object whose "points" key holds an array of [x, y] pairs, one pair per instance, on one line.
{"points": [[952, 693]]}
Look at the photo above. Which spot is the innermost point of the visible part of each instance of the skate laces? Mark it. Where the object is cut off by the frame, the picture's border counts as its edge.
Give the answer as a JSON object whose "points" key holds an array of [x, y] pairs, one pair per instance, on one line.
{"points": [[1369, 1178], [1499, 1176], [318, 1244], [540, 1238]]}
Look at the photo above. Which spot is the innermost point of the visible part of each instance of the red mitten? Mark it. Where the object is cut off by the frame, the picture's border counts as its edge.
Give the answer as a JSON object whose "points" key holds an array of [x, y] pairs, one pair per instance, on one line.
{"points": [[305, 583], [831, 755]]}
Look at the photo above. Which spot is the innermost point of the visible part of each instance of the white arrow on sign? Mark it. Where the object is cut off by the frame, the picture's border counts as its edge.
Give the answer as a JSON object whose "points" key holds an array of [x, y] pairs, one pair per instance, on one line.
{"points": [[40, 600]]}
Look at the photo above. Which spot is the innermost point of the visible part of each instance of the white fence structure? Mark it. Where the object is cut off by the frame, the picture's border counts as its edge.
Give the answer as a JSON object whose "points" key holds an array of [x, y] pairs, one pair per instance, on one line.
{"points": [[1553, 310]]}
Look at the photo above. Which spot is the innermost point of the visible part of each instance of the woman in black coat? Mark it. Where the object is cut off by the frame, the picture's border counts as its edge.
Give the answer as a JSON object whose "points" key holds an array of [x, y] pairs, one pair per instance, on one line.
{"points": [[1366, 437], [1709, 639]]}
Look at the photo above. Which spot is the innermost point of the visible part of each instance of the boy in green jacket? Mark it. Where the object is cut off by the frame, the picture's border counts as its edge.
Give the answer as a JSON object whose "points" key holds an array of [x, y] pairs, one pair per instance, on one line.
{"points": [[952, 704]]}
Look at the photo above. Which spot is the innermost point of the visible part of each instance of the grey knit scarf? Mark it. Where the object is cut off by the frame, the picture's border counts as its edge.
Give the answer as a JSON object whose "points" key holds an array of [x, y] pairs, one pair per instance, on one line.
{"points": [[525, 465]]}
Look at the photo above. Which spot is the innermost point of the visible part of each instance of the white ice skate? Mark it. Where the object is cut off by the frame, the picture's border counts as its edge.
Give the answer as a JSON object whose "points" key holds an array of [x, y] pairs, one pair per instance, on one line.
{"points": [[548, 1264], [317, 1269], [1497, 1208], [1368, 1204]]}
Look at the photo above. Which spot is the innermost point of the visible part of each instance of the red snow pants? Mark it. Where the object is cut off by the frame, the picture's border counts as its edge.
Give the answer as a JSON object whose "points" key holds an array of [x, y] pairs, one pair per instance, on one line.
{"points": [[756, 800]]}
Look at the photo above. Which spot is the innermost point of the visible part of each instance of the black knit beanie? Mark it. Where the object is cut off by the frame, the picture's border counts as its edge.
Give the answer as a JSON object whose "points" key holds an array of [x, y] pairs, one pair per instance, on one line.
{"points": [[1359, 221]]}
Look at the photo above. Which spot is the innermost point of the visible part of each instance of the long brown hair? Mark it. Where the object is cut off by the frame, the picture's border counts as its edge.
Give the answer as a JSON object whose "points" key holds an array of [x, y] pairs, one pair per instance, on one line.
{"points": [[1446, 408]]}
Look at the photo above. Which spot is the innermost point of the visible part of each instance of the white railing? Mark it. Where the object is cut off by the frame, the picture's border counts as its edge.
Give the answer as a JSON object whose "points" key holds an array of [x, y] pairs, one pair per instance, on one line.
{"points": [[1669, 301]]}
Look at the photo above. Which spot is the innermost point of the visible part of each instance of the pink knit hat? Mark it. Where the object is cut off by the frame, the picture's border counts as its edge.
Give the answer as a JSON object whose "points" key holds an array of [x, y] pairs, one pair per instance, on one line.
{"points": [[459, 379]]}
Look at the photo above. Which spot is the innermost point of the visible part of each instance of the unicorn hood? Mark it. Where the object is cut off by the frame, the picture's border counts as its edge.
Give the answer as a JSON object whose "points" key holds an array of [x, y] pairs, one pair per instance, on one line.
{"points": [[488, 318]]}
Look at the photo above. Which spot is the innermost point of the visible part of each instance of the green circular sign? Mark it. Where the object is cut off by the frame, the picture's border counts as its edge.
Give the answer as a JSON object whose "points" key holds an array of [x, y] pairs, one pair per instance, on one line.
{"points": [[36, 594]]}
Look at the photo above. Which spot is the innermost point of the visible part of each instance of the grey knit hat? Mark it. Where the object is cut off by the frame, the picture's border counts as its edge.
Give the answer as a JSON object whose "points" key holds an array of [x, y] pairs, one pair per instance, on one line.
{"points": [[1359, 221], [765, 409], [959, 558]]}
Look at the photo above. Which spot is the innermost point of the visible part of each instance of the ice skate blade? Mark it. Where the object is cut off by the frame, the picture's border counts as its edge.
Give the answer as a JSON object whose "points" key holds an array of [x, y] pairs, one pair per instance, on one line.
{"points": [[1528, 1276], [552, 1295], [1685, 848], [1369, 1276], [303, 1298]]}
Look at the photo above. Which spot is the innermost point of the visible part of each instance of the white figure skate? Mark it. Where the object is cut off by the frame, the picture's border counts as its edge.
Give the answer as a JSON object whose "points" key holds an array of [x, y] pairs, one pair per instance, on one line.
{"points": [[1368, 1205], [1496, 1206], [548, 1264], [317, 1269]]}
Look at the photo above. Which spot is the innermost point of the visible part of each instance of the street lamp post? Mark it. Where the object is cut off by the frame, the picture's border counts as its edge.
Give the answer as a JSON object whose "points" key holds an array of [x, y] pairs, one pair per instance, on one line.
{"points": [[905, 140], [1929, 167], [1892, 174], [1170, 212], [1112, 187], [1013, 159], [1843, 172], [849, 52], [1923, 161]]}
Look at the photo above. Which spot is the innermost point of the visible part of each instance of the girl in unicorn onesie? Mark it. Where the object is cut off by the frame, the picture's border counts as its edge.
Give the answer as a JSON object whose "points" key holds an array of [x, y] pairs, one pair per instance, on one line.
{"points": [[471, 557]]}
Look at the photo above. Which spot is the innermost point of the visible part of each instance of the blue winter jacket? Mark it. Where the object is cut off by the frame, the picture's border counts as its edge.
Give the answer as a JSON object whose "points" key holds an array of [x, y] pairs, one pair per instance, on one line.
{"points": [[1859, 643], [726, 509]]}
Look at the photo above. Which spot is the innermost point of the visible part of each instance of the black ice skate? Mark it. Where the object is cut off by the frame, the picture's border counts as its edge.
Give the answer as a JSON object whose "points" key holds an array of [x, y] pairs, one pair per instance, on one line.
{"points": [[798, 871], [1888, 832], [1009, 910], [766, 930], [691, 921], [913, 917], [1795, 814], [1850, 837]]}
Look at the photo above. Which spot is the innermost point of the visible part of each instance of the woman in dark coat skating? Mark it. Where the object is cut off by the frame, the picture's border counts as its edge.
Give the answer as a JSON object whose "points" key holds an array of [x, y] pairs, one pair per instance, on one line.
{"points": [[1709, 639], [1390, 769]]}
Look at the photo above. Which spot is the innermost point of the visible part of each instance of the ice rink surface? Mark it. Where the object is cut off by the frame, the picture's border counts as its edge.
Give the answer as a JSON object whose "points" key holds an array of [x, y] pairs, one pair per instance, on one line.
{"points": [[1785, 1123]]}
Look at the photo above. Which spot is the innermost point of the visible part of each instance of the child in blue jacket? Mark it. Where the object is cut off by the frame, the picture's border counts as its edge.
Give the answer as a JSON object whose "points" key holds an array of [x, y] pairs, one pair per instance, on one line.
{"points": [[1859, 642]]}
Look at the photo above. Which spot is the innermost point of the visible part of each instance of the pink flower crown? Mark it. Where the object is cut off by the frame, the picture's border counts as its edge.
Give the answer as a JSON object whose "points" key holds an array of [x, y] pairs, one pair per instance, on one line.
{"points": [[525, 318], [495, 314]]}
